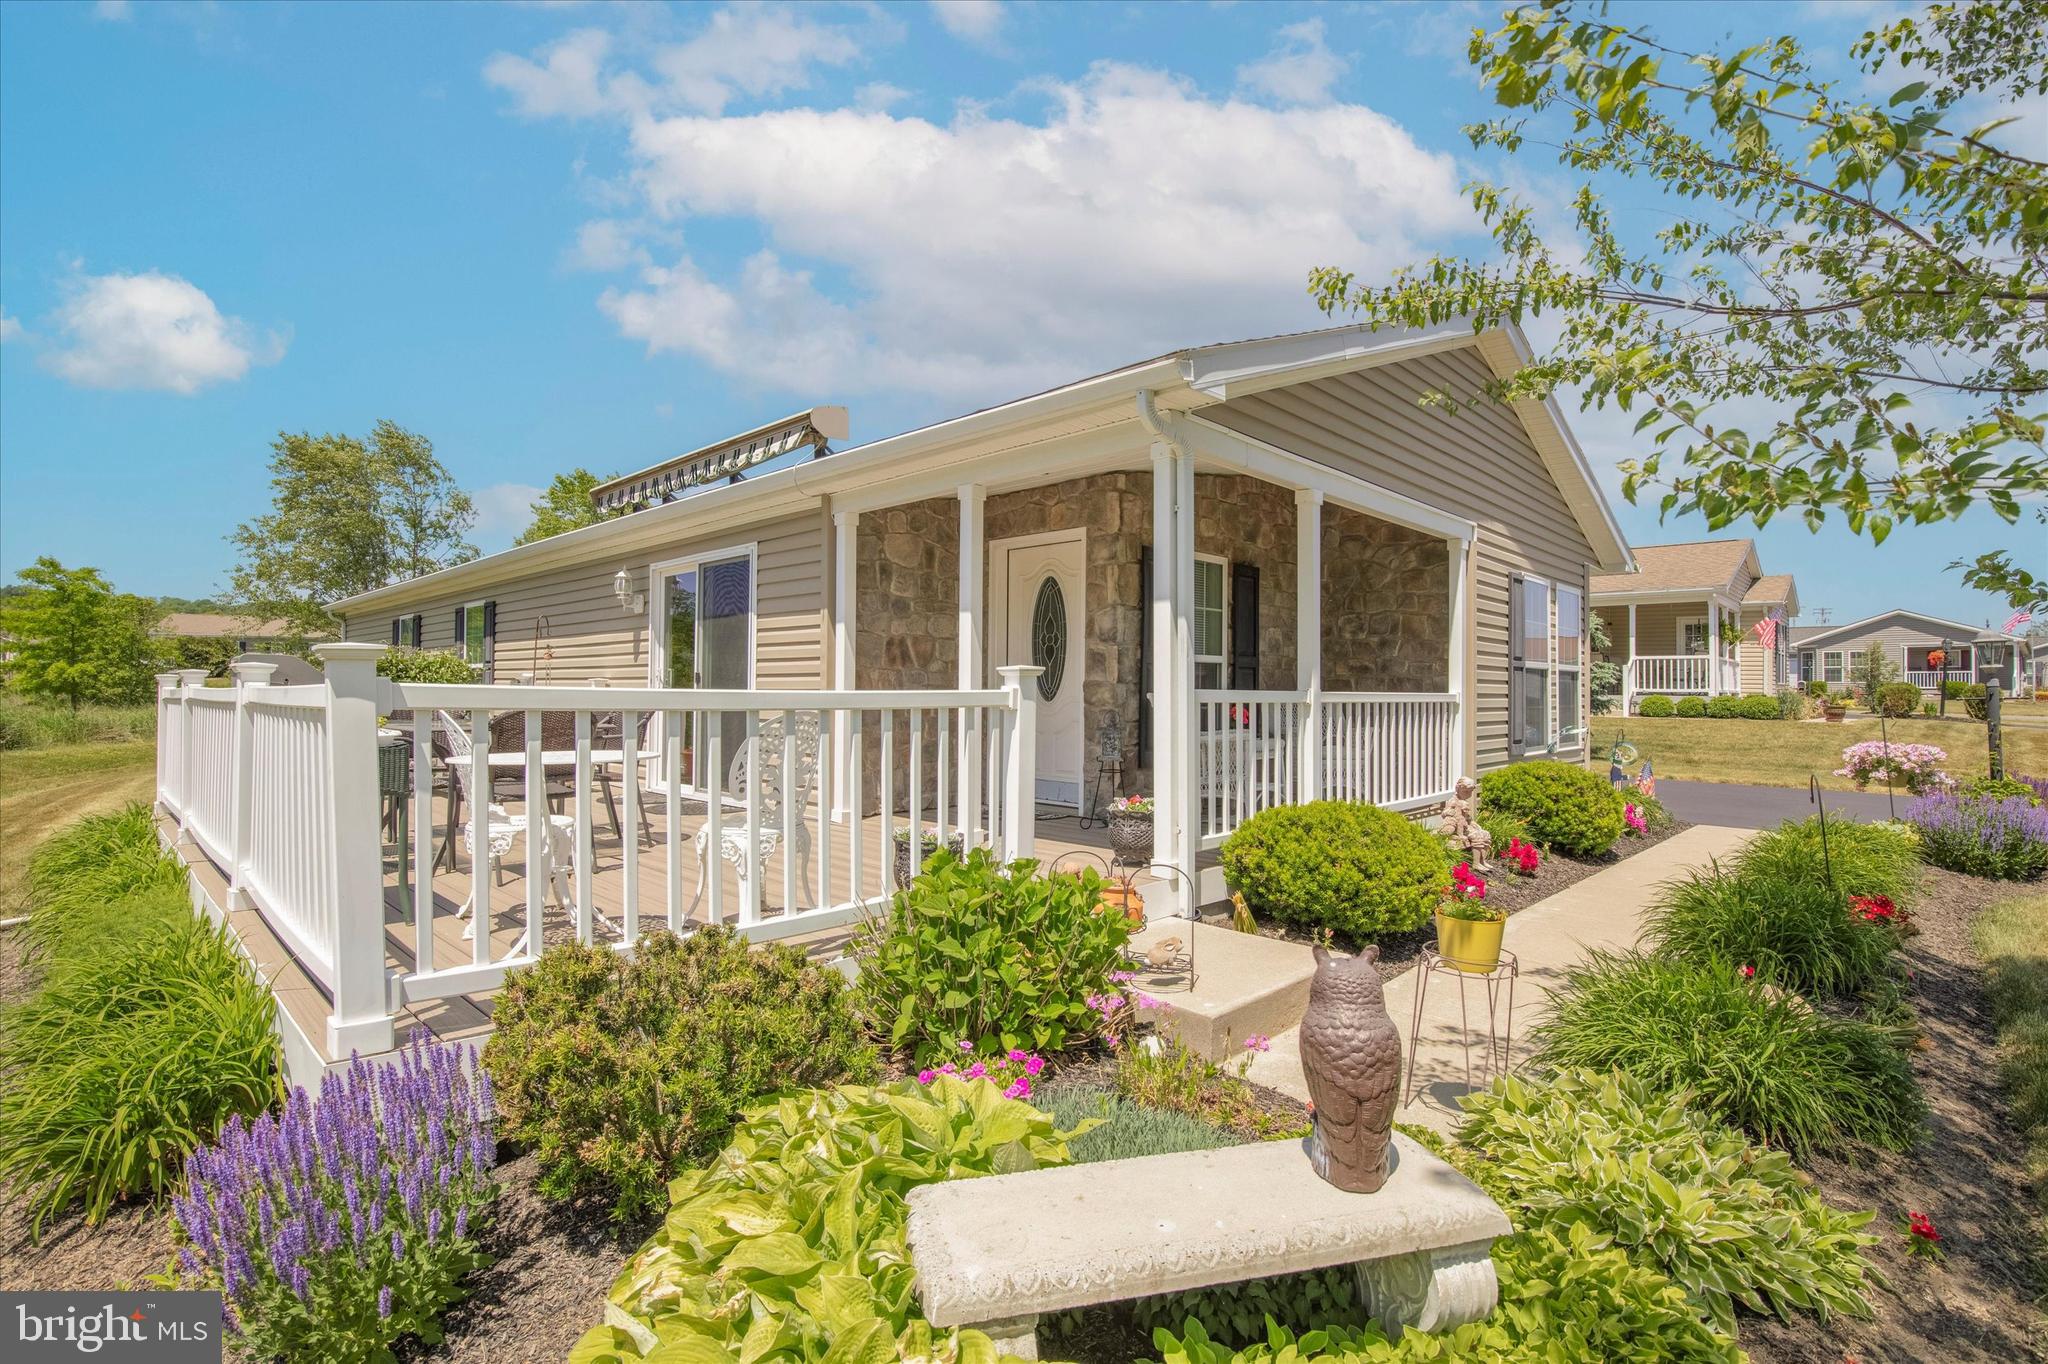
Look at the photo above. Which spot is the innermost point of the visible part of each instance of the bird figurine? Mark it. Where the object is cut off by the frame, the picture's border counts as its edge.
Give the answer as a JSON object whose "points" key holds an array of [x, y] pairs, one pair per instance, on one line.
{"points": [[1351, 1056]]}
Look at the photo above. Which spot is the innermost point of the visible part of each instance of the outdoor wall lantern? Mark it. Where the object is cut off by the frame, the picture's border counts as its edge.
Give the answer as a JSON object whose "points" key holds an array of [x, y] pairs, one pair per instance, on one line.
{"points": [[630, 601]]}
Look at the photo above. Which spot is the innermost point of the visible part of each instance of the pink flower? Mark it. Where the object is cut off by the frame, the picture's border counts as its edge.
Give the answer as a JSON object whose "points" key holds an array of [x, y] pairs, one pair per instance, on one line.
{"points": [[966, 1045], [1020, 1089], [1258, 1041], [976, 1071], [925, 1077], [949, 1069], [1033, 1064], [1016, 1054]]}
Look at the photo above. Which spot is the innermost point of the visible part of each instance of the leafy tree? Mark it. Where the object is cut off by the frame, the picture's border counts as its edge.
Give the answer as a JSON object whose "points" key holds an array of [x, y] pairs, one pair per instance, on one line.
{"points": [[76, 639], [347, 517], [1606, 677], [1871, 670], [566, 506], [1827, 258]]}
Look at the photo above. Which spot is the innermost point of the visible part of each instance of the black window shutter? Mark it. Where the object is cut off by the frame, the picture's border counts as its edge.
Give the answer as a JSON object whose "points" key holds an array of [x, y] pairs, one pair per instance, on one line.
{"points": [[1516, 657], [1244, 627], [490, 640], [394, 630], [461, 635], [419, 624], [1144, 655]]}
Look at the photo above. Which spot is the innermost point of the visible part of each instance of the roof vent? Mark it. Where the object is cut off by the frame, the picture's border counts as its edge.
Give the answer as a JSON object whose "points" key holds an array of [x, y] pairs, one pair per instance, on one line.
{"points": [[814, 427]]}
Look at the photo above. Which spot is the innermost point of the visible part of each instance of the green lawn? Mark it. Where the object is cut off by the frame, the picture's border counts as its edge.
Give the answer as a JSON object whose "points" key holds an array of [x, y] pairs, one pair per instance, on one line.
{"points": [[43, 789], [1786, 752], [2013, 940]]}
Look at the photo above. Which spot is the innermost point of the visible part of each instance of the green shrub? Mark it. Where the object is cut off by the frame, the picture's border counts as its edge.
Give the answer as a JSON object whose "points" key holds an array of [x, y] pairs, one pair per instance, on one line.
{"points": [[1568, 808], [427, 665], [1565, 1295], [1897, 699], [31, 724], [1976, 700], [1756, 708], [1791, 705], [138, 1043], [1732, 1225], [1128, 1128], [80, 878], [1000, 957], [619, 1071], [1655, 707], [1817, 689], [1722, 707], [1798, 934], [791, 1245], [1929, 709], [1762, 1061], [1862, 859], [1999, 788], [1691, 707], [1356, 869]]}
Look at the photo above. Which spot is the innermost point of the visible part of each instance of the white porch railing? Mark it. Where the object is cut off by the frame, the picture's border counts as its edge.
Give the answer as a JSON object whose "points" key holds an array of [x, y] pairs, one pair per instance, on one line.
{"points": [[1670, 673], [1930, 680], [1258, 749], [280, 786]]}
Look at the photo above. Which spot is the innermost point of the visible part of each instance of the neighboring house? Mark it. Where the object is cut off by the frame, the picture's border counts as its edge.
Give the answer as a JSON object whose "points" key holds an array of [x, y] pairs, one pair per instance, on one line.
{"points": [[1975, 653], [244, 633], [1332, 536], [1686, 622]]}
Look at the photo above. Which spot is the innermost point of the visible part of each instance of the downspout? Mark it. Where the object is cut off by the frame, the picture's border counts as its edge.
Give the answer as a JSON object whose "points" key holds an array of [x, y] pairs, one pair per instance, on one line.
{"points": [[1172, 750]]}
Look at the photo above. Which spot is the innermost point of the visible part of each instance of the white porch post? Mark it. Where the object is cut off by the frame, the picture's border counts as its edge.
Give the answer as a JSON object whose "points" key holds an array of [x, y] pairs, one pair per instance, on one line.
{"points": [[1169, 744], [1308, 633], [1628, 669], [1458, 670], [1020, 778], [845, 559], [972, 649], [247, 675], [361, 1020], [1184, 676]]}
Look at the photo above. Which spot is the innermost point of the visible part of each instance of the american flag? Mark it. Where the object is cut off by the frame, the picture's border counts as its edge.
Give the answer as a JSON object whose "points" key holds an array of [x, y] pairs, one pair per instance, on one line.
{"points": [[2016, 620], [1766, 630]]}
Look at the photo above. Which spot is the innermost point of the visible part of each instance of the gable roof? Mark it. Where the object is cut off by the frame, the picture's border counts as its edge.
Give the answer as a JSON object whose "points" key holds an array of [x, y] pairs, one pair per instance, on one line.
{"points": [[1936, 627], [214, 625], [1702, 565], [1183, 381]]}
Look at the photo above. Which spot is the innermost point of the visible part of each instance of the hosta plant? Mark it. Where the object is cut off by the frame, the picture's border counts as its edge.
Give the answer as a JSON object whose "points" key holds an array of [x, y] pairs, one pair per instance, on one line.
{"points": [[1003, 957], [791, 1245], [349, 1220], [1730, 1223]]}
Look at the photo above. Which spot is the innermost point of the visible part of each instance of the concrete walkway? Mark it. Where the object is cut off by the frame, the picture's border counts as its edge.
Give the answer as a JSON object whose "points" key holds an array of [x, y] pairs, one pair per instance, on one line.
{"points": [[1602, 911]]}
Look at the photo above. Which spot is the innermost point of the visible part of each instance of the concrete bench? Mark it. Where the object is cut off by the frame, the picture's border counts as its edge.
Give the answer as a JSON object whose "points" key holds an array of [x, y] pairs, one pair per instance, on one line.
{"points": [[995, 1253]]}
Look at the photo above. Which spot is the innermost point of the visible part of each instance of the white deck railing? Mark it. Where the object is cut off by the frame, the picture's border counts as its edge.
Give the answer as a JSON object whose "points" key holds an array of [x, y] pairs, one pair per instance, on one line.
{"points": [[280, 787], [1259, 749], [1666, 674]]}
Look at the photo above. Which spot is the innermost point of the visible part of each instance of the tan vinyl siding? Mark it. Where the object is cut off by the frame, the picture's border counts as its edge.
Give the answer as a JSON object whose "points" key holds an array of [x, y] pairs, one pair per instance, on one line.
{"points": [[1477, 462], [567, 628], [1760, 674]]}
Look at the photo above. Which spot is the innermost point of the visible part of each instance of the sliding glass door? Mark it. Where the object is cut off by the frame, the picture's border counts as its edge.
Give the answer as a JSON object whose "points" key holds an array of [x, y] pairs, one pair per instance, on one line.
{"points": [[704, 610]]}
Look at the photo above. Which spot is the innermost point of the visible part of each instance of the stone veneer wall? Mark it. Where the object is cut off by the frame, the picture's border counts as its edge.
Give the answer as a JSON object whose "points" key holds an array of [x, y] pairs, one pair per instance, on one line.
{"points": [[1386, 619]]}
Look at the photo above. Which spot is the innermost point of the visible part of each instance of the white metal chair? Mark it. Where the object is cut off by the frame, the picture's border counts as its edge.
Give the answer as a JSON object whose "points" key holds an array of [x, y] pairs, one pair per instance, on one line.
{"points": [[777, 787]]}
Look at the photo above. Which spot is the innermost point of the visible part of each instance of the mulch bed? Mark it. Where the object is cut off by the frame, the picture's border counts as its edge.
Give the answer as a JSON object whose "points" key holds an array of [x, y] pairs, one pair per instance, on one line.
{"points": [[1400, 951], [1969, 1175]]}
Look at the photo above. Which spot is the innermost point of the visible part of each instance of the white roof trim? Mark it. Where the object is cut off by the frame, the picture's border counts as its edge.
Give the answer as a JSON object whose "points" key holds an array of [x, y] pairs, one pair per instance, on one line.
{"points": [[1242, 367]]}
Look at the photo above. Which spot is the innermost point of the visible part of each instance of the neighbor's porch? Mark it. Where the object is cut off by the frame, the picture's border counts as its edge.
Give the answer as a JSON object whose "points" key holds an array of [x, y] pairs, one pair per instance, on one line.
{"points": [[1672, 645]]}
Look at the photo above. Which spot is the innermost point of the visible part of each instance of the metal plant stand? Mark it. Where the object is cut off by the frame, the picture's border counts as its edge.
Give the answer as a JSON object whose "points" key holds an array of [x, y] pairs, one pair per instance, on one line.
{"points": [[1500, 1028]]}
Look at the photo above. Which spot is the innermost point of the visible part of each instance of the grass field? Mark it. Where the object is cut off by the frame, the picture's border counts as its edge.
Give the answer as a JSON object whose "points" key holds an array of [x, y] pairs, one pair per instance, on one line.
{"points": [[2013, 940], [43, 789], [1786, 752]]}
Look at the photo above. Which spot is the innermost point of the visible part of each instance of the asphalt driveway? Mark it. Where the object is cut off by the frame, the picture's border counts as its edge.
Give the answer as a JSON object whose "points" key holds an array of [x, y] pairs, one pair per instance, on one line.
{"points": [[1764, 807]]}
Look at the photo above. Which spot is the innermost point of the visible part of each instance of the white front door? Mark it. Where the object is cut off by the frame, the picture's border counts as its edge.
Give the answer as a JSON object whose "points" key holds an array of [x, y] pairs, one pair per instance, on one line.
{"points": [[1045, 624]]}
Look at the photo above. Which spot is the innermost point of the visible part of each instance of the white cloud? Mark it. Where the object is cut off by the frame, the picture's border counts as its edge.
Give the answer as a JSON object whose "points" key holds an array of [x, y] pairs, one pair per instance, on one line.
{"points": [[605, 244], [112, 11], [502, 511], [10, 329], [972, 21], [152, 330], [1299, 70], [985, 255], [876, 96], [755, 52]]}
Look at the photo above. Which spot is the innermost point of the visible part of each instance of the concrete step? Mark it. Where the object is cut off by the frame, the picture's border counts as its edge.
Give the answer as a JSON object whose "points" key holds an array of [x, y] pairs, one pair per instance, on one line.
{"points": [[1242, 984]]}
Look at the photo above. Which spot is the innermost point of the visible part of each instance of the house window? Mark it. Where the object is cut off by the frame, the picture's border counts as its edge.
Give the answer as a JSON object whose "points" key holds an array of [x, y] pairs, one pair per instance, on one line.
{"points": [[1212, 620], [1533, 664], [402, 633], [1806, 672], [1571, 646], [471, 633], [1692, 636], [1831, 665]]}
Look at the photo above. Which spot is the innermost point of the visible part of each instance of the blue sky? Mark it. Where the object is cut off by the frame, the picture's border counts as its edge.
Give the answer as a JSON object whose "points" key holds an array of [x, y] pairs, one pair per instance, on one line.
{"points": [[547, 235]]}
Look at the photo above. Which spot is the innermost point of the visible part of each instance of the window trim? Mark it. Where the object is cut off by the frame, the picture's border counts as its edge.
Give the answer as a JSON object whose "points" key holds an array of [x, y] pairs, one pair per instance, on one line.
{"points": [[1573, 737], [402, 628], [462, 641], [1220, 660], [658, 573], [1706, 637], [1841, 667], [1547, 743]]}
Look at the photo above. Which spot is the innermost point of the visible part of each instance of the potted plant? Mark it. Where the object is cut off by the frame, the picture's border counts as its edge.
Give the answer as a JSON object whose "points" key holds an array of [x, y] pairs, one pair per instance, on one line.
{"points": [[1835, 707], [1121, 896], [1468, 930], [1130, 830], [905, 870]]}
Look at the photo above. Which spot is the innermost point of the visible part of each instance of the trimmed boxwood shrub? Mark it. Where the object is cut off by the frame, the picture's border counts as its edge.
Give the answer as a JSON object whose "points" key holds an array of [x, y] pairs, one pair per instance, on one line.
{"points": [[1352, 868], [622, 1071], [1756, 707], [1897, 699], [1568, 808], [1655, 707], [1691, 707], [427, 665], [1722, 708]]}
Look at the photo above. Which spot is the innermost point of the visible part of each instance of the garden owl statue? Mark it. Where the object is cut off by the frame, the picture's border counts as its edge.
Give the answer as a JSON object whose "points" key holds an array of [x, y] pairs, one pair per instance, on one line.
{"points": [[1351, 1055]]}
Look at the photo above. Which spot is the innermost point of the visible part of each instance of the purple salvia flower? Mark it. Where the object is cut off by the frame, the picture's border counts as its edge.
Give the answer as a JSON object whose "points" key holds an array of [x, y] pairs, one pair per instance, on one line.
{"points": [[384, 1301]]}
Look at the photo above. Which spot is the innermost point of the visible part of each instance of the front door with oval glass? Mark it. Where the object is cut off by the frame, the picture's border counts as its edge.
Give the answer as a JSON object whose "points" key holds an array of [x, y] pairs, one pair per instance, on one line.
{"points": [[1045, 624]]}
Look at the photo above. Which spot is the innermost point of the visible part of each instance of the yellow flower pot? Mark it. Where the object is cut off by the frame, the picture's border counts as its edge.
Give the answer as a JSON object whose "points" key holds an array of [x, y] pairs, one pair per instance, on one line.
{"points": [[1469, 944]]}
